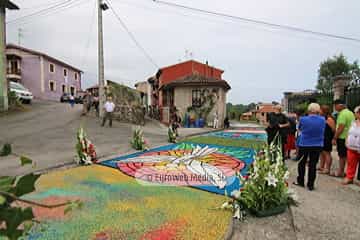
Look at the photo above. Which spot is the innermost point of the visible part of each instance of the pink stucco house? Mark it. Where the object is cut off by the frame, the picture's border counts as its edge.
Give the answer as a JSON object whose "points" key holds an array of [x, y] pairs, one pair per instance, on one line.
{"points": [[45, 76]]}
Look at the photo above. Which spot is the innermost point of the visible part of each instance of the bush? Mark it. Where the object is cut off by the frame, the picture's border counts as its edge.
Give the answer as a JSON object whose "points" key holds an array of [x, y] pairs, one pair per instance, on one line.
{"points": [[86, 153], [6, 150], [138, 142]]}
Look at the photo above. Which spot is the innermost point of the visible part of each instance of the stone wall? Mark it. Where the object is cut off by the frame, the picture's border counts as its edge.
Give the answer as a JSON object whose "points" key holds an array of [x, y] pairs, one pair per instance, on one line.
{"points": [[339, 85]]}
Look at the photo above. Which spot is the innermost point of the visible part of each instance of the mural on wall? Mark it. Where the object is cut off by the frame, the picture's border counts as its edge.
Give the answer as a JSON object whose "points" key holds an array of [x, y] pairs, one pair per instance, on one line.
{"points": [[208, 167]]}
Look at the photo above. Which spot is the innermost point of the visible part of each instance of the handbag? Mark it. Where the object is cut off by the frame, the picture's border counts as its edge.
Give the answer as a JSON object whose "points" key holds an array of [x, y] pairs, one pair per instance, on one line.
{"points": [[353, 139]]}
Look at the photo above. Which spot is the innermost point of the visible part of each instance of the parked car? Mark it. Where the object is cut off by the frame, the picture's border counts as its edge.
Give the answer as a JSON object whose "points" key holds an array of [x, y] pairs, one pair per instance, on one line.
{"points": [[79, 99], [66, 97], [21, 92]]}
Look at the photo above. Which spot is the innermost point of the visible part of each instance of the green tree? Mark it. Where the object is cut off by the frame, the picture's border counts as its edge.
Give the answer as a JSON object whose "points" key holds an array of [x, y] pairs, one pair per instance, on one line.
{"points": [[332, 67]]}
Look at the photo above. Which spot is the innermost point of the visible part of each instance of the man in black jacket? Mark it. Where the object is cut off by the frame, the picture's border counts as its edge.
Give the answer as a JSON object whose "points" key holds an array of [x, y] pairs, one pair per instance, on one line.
{"points": [[278, 124]]}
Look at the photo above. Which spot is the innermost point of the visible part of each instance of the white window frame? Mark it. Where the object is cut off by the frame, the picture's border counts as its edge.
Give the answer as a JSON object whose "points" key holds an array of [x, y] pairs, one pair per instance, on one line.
{"points": [[52, 81], [63, 86], [67, 72], [50, 67]]}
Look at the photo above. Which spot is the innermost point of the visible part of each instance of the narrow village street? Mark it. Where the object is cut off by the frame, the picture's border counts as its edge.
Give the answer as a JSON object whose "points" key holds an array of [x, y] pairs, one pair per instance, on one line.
{"points": [[46, 133]]}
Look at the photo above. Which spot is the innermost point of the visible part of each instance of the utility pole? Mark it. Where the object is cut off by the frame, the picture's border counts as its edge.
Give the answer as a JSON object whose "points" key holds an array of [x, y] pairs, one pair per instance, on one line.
{"points": [[101, 7], [4, 104]]}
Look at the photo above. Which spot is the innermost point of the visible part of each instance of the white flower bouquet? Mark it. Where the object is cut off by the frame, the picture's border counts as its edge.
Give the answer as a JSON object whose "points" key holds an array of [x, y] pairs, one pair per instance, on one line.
{"points": [[265, 189], [86, 153], [138, 141]]}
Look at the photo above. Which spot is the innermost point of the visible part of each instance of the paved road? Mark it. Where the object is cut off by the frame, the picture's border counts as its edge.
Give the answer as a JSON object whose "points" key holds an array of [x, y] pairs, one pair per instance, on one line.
{"points": [[46, 132]]}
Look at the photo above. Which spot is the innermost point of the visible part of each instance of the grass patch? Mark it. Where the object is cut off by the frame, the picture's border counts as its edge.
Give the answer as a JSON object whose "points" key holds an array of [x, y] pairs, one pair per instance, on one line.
{"points": [[254, 144]]}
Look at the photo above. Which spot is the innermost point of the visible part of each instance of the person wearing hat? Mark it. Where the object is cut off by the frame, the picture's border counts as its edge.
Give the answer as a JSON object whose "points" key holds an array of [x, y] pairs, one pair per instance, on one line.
{"points": [[343, 123]]}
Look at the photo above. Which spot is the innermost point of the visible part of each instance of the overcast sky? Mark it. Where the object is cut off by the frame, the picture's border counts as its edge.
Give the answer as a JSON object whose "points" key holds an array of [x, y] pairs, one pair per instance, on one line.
{"points": [[260, 63]]}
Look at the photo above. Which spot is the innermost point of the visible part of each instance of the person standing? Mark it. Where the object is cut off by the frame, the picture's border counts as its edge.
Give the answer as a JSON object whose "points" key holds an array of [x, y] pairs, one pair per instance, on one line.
{"points": [[72, 100], [343, 124], [311, 142], [89, 101], [353, 148], [226, 122], [96, 104], [325, 155], [290, 141], [216, 120], [109, 107], [278, 124], [175, 123], [84, 111]]}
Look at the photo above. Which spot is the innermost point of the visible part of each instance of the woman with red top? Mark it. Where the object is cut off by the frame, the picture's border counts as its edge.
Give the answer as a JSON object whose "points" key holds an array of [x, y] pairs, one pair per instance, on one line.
{"points": [[290, 143], [353, 148]]}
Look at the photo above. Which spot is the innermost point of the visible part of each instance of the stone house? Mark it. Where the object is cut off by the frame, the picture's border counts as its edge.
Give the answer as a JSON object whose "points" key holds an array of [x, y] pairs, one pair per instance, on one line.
{"points": [[145, 92], [45, 76], [191, 88], [263, 111], [247, 116]]}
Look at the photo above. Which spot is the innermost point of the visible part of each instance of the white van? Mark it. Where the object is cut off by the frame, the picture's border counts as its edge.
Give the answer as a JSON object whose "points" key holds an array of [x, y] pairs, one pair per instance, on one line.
{"points": [[21, 92]]}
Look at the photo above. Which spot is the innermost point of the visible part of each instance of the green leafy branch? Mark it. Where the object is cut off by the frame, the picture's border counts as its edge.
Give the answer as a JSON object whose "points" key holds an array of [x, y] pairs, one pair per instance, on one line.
{"points": [[16, 221]]}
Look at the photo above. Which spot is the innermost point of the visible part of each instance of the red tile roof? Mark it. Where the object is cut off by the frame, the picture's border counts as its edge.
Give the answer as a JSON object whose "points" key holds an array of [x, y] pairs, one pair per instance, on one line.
{"points": [[267, 109], [196, 80]]}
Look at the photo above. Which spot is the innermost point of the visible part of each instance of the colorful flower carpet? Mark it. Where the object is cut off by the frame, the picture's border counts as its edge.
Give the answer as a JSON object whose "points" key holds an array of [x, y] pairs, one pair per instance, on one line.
{"points": [[211, 168], [259, 135], [146, 195], [116, 206]]}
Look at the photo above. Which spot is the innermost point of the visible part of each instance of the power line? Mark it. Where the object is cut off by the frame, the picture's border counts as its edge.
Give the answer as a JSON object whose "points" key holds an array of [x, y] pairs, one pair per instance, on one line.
{"points": [[46, 11], [56, 5], [55, 11], [41, 5], [259, 22], [85, 53], [132, 35]]}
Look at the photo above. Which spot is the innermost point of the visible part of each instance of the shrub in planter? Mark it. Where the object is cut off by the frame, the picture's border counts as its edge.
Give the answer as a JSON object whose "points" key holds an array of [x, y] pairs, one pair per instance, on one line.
{"points": [[265, 191], [6, 150], [138, 142], [86, 153], [171, 135]]}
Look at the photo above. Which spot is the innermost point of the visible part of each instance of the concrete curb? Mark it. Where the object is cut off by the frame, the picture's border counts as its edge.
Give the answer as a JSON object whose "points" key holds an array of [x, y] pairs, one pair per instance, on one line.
{"points": [[72, 164], [198, 134], [57, 167], [293, 224], [230, 231]]}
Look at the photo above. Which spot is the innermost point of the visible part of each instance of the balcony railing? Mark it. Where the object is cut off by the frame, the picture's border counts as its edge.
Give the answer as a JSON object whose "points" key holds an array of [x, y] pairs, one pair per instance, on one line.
{"points": [[13, 71]]}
